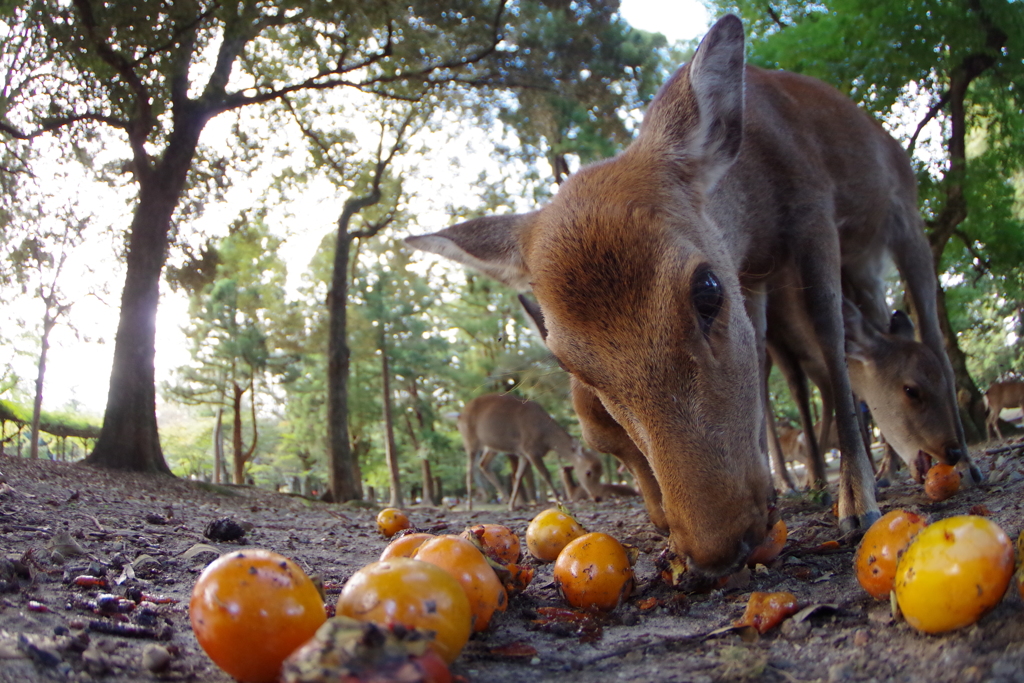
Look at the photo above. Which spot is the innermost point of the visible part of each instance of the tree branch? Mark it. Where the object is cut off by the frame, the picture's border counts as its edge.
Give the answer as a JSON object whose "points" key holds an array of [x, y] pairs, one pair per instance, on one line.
{"points": [[55, 123], [321, 80], [933, 111], [139, 129], [982, 265], [776, 18]]}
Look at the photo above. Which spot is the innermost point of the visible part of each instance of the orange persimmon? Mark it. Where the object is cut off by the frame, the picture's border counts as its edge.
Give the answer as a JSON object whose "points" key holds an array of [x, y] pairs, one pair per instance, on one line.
{"points": [[881, 547]]}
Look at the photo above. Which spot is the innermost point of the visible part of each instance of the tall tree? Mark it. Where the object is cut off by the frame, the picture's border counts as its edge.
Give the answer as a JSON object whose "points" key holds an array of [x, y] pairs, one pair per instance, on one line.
{"points": [[152, 75], [237, 306]]}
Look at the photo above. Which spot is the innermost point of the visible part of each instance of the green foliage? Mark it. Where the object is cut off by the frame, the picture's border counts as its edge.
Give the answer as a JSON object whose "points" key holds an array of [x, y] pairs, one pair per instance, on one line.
{"points": [[58, 423], [239, 326]]}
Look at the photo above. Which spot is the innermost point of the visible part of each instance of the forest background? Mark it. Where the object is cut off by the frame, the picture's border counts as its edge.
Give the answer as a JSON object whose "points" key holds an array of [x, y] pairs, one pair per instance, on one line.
{"points": [[198, 155]]}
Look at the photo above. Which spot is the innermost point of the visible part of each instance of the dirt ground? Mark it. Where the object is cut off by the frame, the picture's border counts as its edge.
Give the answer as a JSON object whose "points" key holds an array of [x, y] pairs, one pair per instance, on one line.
{"points": [[61, 521]]}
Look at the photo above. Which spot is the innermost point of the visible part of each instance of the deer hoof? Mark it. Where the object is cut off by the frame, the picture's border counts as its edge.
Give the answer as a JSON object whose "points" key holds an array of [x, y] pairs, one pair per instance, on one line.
{"points": [[974, 476], [859, 523]]}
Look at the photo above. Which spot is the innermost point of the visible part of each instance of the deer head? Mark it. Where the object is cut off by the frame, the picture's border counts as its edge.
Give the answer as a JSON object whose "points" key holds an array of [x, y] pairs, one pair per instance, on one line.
{"points": [[903, 384], [642, 304]]}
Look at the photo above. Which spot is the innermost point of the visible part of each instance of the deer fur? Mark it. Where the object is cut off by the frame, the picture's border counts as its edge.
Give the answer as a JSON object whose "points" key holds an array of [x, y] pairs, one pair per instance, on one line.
{"points": [[651, 272]]}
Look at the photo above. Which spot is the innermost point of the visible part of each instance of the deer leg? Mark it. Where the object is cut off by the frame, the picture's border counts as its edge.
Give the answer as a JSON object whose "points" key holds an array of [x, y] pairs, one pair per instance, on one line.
{"points": [[525, 460], [992, 421], [823, 296], [815, 476], [890, 464], [484, 465], [603, 433], [529, 491], [471, 458], [783, 482], [537, 459]]}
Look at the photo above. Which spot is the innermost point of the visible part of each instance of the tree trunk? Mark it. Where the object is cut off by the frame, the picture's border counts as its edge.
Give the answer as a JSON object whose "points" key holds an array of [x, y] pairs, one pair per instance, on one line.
{"points": [[344, 486], [129, 439], [37, 403], [218, 446], [970, 401], [390, 451], [954, 212], [428, 483], [236, 434]]}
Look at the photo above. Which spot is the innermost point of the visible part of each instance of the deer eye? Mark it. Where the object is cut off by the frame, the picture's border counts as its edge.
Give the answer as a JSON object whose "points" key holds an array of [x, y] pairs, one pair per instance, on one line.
{"points": [[913, 393], [707, 296]]}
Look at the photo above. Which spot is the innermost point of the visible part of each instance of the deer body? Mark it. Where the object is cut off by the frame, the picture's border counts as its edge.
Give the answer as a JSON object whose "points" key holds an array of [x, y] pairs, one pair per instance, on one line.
{"points": [[502, 423], [1001, 395], [902, 381], [651, 271]]}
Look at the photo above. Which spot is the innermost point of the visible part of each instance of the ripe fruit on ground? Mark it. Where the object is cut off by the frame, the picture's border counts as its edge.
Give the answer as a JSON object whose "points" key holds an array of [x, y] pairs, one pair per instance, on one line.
{"points": [[770, 547], [392, 520], [405, 546], [881, 547], [499, 542], [954, 571], [470, 568], [941, 482], [766, 610], [250, 609], [593, 572], [549, 532], [414, 594]]}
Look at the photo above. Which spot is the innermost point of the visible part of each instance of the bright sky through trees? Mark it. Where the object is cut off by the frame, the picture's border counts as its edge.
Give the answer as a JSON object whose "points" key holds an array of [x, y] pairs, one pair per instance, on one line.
{"points": [[79, 368]]}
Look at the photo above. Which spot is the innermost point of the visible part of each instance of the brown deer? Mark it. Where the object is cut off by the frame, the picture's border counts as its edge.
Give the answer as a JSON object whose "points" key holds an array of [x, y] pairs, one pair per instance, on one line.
{"points": [[501, 423], [651, 272], [1000, 396], [901, 380]]}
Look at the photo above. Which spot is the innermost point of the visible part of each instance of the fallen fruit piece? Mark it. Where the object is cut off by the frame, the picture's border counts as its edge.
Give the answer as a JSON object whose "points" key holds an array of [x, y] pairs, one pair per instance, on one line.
{"points": [[516, 578], [954, 571], [881, 547], [941, 482], [770, 547], [251, 609], [351, 651], [550, 531], [498, 542], [405, 546], [648, 603], [765, 611], [413, 594], [470, 568], [392, 520], [593, 572]]}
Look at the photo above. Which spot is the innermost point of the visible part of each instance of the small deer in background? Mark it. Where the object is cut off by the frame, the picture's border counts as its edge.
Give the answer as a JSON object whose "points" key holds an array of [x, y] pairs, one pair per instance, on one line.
{"points": [[501, 423], [999, 397]]}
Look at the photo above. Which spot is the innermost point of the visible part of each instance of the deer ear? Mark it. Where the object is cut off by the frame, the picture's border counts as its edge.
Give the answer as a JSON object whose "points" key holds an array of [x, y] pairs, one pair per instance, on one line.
{"points": [[859, 334], [490, 245], [700, 109], [900, 324]]}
